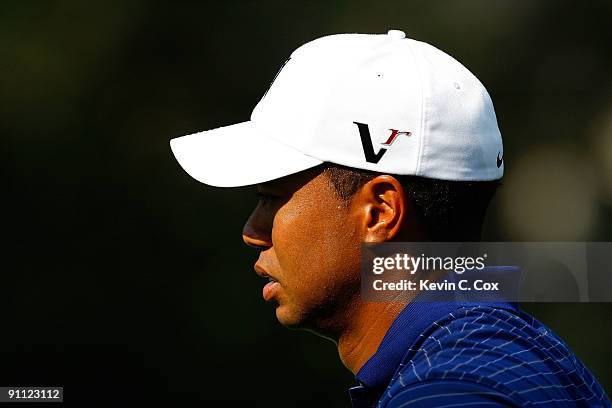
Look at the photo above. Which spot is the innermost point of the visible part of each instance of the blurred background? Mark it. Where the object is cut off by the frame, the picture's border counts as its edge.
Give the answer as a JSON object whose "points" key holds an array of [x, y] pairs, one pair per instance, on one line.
{"points": [[125, 279]]}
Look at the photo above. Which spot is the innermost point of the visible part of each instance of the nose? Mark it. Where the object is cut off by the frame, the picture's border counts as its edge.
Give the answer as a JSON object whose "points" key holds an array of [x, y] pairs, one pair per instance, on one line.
{"points": [[255, 242], [255, 234]]}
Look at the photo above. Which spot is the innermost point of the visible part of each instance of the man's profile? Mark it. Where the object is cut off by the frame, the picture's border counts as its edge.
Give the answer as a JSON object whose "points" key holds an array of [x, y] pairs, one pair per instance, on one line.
{"points": [[373, 139]]}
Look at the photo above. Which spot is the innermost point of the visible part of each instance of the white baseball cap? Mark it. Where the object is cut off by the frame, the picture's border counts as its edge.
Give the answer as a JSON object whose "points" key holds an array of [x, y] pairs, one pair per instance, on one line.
{"points": [[379, 102]]}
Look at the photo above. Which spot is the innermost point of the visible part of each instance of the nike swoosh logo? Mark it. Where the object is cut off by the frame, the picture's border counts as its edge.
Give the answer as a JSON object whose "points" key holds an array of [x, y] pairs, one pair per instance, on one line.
{"points": [[500, 160]]}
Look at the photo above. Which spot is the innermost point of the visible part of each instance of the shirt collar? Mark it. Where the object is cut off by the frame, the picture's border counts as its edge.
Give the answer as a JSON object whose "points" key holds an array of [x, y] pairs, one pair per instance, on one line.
{"points": [[412, 321], [404, 331]]}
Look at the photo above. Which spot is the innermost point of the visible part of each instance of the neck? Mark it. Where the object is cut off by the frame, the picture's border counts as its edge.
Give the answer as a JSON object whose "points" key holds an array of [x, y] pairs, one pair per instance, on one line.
{"points": [[368, 325]]}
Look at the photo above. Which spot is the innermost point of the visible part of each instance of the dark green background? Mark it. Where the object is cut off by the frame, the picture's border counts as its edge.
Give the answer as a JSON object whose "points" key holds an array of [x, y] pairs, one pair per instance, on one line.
{"points": [[124, 278]]}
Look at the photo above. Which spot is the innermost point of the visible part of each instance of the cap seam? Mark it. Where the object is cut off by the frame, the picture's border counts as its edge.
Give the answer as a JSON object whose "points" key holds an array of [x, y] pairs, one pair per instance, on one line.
{"points": [[417, 170]]}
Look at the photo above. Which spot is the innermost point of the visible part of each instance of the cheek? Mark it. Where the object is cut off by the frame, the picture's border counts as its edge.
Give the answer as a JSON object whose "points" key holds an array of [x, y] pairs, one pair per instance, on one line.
{"points": [[316, 247]]}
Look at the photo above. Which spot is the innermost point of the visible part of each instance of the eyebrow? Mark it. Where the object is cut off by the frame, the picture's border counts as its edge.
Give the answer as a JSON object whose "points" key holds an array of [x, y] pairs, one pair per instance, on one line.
{"points": [[286, 185], [269, 186], [278, 188]]}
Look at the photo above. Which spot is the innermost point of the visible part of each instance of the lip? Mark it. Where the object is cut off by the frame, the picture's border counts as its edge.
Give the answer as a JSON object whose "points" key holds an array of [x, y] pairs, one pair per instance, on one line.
{"points": [[269, 290], [271, 287], [262, 272]]}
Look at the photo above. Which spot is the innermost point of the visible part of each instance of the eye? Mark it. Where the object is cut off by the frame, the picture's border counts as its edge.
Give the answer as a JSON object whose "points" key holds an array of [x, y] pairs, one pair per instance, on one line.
{"points": [[271, 199], [264, 197]]}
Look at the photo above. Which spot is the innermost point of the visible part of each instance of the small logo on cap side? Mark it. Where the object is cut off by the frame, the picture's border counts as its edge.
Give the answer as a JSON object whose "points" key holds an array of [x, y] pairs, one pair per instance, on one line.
{"points": [[395, 133], [500, 160], [366, 142]]}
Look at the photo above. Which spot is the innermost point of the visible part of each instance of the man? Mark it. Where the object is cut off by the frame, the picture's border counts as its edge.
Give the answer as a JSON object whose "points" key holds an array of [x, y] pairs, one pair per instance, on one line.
{"points": [[374, 139]]}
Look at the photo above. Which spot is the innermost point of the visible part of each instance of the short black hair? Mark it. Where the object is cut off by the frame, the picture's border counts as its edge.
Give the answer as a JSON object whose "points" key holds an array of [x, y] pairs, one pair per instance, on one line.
{"points": [[451, 211]]}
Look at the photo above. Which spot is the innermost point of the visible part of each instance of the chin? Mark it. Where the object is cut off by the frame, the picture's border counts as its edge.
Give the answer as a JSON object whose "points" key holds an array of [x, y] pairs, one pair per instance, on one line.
{"points": [[295, 319], [289, 318]]}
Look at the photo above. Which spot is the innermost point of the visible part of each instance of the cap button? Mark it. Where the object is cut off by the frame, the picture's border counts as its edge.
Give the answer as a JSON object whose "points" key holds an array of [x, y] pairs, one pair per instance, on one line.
{"points": [[396, 34]]}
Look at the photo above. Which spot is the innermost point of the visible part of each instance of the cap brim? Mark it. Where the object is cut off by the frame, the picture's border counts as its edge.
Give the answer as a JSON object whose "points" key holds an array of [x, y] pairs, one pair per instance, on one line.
{"points": [[237, 155]]}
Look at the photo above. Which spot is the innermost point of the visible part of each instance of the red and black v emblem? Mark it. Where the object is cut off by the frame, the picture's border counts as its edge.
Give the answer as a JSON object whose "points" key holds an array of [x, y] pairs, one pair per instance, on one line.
{"points": [[366, 142]]}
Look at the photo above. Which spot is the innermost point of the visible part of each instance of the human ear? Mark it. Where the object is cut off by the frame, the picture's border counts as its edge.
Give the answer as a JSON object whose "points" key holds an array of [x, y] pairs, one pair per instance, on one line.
{"points": [[382, 205]]}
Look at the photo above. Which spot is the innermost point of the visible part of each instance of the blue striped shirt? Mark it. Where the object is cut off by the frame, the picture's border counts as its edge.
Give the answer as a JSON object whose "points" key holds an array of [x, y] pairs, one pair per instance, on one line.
{"points": [[443, 354]]}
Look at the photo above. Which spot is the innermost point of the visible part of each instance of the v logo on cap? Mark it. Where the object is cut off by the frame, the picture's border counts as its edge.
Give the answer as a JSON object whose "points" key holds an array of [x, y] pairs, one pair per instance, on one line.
{"points": [[366, 142]]}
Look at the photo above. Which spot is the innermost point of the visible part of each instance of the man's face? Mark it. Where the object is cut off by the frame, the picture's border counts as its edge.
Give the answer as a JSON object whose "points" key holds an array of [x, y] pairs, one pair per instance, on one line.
{"points": [[310, 247]]}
